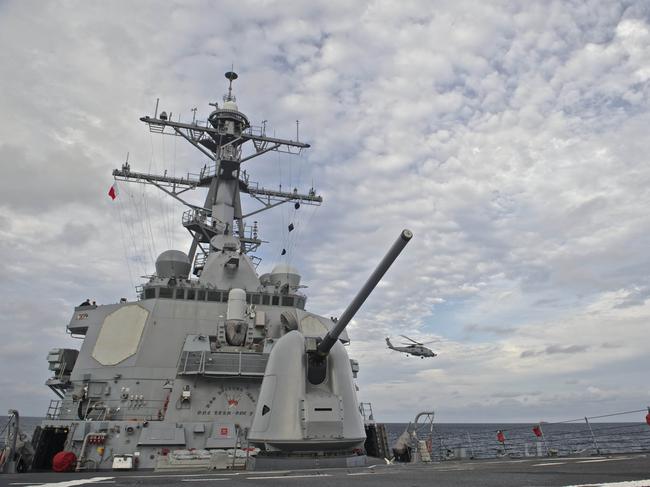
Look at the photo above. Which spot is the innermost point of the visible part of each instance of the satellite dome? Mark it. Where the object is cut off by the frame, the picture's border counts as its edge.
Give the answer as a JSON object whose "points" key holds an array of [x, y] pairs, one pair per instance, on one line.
{"points": [[284, 269], [173, 263], [285, 274]]}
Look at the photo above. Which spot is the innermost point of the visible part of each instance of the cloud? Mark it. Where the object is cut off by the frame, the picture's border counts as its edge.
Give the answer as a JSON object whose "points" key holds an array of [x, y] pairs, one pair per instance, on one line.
{"points": [[496, 330], [511, 141], [555, 349]]}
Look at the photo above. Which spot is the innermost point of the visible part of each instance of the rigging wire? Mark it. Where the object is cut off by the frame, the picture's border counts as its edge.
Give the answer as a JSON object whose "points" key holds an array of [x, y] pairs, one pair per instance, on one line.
{"points": [[298, 215], [161, 205], [164, 204], [127, 213], [142, 211], [171, 215], [124, 248], [284, 235]]}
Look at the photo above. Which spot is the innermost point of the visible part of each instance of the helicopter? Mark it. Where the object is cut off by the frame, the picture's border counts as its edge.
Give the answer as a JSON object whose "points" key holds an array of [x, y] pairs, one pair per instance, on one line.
{"points": [[416, 349]]}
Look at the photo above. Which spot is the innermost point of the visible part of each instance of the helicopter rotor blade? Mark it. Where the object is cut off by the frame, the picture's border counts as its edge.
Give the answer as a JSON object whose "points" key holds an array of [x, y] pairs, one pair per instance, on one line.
{"points": [[410, 339]]}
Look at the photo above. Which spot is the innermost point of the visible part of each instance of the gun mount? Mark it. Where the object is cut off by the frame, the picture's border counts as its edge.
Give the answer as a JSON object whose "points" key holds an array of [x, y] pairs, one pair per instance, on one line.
{"points": [[308, 400]]}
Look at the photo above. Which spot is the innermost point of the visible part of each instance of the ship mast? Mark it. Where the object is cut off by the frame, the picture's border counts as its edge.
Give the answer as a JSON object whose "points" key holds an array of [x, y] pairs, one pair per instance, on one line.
{"points": [[220, 138]]}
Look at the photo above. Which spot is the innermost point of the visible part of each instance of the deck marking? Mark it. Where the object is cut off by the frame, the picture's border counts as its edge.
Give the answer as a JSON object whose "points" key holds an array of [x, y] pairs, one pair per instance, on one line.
{"points": [[547, 464], [627, 483], [201, 480], [71, 483], [361, 473], [603, 460], [163, 476], [289, 476]]}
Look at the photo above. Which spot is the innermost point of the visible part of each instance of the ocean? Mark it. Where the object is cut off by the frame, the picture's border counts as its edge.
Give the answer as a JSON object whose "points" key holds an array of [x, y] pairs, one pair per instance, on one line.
{"points": [[479, 440]]}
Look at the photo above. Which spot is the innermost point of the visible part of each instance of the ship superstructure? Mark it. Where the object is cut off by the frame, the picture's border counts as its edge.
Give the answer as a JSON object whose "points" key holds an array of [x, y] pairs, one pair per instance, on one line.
{"points": [[181, 368]]}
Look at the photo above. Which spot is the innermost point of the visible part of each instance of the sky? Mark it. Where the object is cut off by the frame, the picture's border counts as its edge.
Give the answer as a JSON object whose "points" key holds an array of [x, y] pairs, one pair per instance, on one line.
{"points": [[510, 137]]}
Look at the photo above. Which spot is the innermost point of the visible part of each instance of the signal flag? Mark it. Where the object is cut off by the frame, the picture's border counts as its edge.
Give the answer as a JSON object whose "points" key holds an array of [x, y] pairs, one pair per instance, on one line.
{"points": [[537, 430], [113, 191], [501, 437]]}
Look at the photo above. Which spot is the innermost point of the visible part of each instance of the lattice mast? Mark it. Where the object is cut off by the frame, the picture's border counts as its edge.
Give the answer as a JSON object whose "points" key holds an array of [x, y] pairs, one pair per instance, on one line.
{"points": [[220, 138]]}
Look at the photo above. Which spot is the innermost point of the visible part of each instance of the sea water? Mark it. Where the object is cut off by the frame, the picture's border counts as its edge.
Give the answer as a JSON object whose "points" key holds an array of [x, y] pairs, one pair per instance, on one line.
{"points": [[479, 440]]}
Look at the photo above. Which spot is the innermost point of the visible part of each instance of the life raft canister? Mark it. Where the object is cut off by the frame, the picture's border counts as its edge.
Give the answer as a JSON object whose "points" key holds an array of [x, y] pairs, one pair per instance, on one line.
{"points": [[64, 461]]}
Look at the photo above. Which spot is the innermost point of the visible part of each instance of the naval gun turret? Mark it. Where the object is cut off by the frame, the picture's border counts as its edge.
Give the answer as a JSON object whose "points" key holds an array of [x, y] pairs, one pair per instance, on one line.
{"points": [[308, 401]]}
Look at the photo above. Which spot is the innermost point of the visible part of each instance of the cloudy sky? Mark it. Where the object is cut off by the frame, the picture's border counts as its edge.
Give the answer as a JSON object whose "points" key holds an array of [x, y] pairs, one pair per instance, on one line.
{"points": [[511, 137]]}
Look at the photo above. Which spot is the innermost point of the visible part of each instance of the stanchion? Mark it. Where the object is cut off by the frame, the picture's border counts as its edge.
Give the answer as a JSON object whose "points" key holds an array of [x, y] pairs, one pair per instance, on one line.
{"points": [[593, 437]]}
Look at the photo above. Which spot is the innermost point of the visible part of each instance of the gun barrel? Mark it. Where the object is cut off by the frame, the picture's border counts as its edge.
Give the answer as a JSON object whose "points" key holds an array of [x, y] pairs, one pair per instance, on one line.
{"points": [[333, 335]]}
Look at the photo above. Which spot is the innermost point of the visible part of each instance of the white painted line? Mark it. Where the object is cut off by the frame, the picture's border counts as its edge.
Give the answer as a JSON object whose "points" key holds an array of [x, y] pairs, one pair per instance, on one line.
{"points": [[604, 460], [628, 483], [201, 480], [453, 469], [547, 464], [72, 483], [165, 476], [361, 473], [289, 476]]}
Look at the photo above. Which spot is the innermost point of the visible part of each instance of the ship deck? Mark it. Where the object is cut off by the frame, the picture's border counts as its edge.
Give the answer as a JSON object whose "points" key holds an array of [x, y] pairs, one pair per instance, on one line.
{"points": [[631, 470]]}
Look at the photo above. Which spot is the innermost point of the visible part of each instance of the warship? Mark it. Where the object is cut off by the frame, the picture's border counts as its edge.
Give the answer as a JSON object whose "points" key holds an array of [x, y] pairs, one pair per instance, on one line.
{"points": [[212, 357]]}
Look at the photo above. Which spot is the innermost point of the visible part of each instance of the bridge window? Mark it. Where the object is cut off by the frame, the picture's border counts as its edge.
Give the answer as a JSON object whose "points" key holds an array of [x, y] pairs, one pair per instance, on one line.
{"points": [[200, 295], [287, 300], [191, 294], [166, 292]]}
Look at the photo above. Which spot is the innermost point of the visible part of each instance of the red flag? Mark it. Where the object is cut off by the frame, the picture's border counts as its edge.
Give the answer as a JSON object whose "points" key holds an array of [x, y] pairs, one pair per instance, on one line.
{"points": [[647, 419], [537, 430], [113, 191], [501, 437]]}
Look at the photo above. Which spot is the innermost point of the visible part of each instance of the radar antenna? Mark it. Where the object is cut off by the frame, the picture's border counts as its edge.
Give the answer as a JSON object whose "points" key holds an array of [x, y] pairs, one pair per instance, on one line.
{"points": [[221, 138], [230, 76]]}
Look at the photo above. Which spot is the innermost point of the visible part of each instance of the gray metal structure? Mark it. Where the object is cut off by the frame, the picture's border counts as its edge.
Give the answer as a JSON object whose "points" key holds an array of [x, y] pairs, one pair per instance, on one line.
{"points": [[184, 367]]}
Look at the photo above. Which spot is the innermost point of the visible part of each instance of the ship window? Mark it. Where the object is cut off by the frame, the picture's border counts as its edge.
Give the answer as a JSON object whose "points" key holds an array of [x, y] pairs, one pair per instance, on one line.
{"points": [[224, 297], [190, 294], [166, 292], [266, 299], [150, 293], [300, 303], [200, 295], [276, 301], [287, 301], [256, 298], [214, 296], [180, 294], [248, 298]]}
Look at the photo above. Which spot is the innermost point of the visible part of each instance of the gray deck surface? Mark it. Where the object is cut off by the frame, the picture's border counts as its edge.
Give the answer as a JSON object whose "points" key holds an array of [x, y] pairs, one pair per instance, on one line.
{"points": [[503, 473]]}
